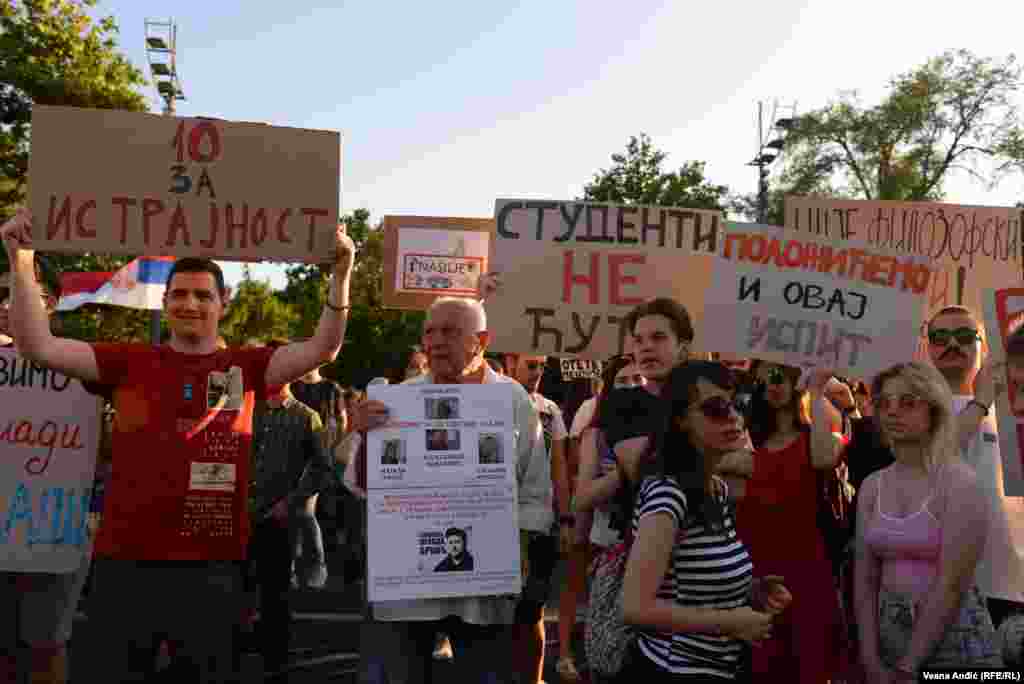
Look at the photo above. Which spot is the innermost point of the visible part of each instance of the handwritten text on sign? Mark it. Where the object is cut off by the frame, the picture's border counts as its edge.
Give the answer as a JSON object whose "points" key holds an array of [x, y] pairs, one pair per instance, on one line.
{"points": [[571, 271], [810, 303], [49, 432], [970, 248], [132, 183]]}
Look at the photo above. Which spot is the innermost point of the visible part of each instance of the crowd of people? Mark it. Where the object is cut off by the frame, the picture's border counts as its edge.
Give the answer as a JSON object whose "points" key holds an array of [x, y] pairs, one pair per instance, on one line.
{"points": [[702, 474]]}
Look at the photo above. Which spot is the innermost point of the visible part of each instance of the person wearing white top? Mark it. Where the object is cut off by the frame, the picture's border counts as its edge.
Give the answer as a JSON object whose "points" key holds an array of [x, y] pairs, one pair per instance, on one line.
{"points": [[397, 644], [956, 347]]}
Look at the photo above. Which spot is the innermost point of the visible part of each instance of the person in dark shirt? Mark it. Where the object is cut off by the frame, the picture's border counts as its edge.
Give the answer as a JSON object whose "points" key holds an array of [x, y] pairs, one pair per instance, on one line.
{"points": [[458, 558]]}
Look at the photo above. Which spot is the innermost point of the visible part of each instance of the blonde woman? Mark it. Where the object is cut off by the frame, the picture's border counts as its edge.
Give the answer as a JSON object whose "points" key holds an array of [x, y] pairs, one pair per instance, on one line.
{"points": [[920, 531]]}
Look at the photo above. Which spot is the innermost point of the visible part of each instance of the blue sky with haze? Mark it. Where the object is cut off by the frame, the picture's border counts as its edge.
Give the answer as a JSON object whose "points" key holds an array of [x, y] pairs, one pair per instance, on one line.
{"points": [[445, 106]]}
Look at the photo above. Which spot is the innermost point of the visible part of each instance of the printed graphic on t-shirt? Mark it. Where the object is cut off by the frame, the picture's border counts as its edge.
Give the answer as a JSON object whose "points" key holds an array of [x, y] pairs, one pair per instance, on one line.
{"points": [[224, 391], [212, 477], [547, 423]]}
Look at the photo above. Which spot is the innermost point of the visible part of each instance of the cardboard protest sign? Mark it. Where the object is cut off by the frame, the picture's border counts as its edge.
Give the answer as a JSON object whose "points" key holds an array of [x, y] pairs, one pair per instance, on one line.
{"points": [[580, 369], [1004, 312], [49, 435], [135, 183], [571, 271], [971, 248], [806, 302], [426, 257]]}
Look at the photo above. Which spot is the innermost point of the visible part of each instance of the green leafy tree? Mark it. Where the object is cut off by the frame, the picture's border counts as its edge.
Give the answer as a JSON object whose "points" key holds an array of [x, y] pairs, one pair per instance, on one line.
{"points": [[255, 313], [54, 52], [377, 340], [639, 177], [955, 112]]}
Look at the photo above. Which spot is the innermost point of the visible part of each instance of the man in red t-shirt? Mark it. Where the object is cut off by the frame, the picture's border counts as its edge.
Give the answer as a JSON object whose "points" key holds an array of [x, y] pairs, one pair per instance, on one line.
{"points": [[175, 523]]}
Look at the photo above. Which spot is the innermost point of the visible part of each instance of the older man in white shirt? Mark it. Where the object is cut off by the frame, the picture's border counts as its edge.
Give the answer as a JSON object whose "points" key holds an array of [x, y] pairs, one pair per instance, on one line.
{"points": [[397, 644]]}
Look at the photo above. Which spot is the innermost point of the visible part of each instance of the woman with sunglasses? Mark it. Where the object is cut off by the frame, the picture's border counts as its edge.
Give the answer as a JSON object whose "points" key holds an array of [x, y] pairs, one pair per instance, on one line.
{"points": [[920, 532], [688, 588], [782, 496]]}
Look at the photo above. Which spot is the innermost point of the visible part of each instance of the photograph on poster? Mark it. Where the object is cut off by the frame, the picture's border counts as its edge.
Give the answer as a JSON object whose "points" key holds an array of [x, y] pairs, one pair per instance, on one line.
{"points": [[457, 556], [490, 449], [393, 452], [443, 440], [438, 408]]}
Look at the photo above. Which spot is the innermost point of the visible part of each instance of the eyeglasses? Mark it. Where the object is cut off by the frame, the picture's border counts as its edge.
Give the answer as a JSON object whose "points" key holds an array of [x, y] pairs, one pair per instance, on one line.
{"points": [[534, 365], [941, 337], [720, 409], [775, 377], [904, 402]]}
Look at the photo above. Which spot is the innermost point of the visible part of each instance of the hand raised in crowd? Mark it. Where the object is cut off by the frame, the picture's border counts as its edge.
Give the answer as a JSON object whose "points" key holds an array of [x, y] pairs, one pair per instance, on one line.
{"points": [[344, 251], [818, 379], [17, 236], [369, 414], [771, 595], [990, 381], [750, 625], [840, 394], [488, 285]]}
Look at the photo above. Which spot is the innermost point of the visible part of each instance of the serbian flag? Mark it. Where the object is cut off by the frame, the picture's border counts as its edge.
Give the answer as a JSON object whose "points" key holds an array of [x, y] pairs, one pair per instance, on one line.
{"points": [[138, 285]]}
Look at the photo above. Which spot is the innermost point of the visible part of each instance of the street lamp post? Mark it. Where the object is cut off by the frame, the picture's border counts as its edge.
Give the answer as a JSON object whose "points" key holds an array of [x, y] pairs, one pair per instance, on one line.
{"points": [[162, 54], [767, 152]]}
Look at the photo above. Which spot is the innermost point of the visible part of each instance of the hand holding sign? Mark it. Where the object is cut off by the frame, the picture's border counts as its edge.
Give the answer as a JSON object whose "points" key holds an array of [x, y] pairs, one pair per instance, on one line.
{"points": [[344, 252], [17, 237], [488, 285]]}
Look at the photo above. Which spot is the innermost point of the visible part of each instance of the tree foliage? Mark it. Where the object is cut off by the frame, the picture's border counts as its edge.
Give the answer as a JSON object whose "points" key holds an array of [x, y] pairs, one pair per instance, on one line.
{"points": [[52, 52], [638, 177], [377, 340], [955, 112], [255, 313]]}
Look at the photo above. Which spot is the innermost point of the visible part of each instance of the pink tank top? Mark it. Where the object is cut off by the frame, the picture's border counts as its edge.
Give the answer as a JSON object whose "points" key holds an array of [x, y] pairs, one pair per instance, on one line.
{"points": [[907, 546]]}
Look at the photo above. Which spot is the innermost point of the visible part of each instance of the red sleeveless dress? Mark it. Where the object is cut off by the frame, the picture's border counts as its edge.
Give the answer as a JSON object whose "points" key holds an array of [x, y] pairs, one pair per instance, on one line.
{"points": [[776, 519]]}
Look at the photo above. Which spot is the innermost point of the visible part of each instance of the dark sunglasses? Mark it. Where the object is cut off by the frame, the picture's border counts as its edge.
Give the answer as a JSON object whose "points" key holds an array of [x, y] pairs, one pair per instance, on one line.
{"points": [[904, 402], [720, 409], [941, 337], [534, 365], [775, 377]]}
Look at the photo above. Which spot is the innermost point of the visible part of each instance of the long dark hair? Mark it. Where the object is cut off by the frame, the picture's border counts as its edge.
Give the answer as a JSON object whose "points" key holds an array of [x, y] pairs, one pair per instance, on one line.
{"points": [[672, 453], [611, 368], [763, 417]]}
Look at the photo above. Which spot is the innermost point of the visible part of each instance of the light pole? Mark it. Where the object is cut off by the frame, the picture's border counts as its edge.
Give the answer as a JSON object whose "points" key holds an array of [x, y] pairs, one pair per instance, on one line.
{"points": [[768, 151], [162, 54]]}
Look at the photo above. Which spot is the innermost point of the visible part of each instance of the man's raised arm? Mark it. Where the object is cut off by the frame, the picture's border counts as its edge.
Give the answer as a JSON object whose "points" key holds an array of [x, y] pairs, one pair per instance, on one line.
{"points": [[292, 361], [30, 326]]}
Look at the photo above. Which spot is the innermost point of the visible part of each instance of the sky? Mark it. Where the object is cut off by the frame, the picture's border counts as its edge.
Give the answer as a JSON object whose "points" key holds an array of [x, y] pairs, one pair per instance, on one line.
{"points": [[444, 107]]}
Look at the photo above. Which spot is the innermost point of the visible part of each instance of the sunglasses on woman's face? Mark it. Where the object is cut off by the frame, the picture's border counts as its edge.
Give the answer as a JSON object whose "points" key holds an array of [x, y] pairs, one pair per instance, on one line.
{"points": [[721, 409], [941, 337], [904, 402], [534, 365], [775, 377]]}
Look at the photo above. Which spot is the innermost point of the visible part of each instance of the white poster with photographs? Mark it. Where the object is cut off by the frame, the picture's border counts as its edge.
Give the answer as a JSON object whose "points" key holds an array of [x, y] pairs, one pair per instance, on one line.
{"points": [[441, 493]]}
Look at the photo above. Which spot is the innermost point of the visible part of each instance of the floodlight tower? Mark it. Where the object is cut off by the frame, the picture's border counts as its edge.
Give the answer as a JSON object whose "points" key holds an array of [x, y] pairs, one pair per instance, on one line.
{"points": [[162, 53], [769, 150]]}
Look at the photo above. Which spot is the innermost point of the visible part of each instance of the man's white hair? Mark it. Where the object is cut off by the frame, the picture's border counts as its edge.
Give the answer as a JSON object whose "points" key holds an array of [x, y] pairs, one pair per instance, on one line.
{"points": [[472, 311]]}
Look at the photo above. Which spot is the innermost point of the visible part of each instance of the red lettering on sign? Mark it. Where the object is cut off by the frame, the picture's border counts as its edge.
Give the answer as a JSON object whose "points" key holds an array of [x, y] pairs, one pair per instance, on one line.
{"points": [[570, 278], [124, 203], [616, 279]]}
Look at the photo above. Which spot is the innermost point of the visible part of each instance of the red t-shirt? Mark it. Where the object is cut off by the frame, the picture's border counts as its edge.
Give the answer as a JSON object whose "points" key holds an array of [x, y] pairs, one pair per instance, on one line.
{"points": [[180, 451]]}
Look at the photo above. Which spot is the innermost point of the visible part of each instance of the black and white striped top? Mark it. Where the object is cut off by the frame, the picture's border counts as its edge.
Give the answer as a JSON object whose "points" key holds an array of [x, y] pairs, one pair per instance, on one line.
{"points": [[708, 570]]}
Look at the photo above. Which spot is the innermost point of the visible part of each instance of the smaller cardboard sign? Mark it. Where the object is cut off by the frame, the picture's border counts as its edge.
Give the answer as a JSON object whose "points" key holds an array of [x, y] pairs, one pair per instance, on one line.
{"points": [[426, 257], [580, 369], [135, 183]]}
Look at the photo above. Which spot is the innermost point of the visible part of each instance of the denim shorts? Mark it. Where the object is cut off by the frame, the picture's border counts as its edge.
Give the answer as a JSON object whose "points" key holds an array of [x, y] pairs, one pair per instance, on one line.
{"points": [[969, 640]]}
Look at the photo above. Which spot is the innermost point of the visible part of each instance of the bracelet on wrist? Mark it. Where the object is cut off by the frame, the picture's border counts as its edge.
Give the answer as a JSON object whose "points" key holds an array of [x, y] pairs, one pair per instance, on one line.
{"points": [[332, 307]]}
